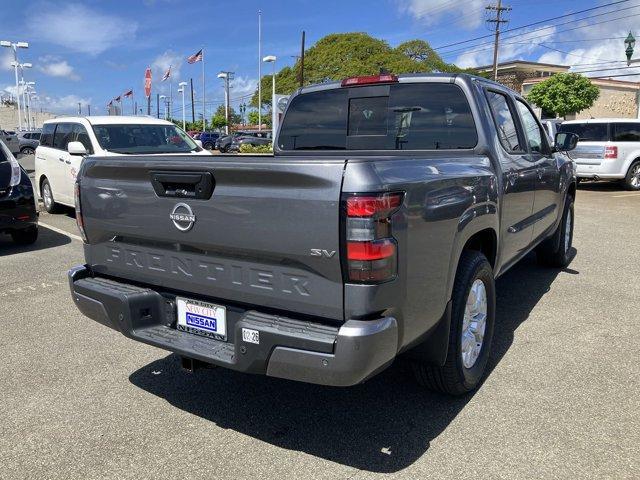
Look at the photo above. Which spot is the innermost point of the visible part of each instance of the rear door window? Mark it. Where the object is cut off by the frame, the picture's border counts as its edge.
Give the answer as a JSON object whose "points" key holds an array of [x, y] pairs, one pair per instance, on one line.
{"points": [[46, 140], [63, 135], [404, 116], [588, 132], [626, 132]]}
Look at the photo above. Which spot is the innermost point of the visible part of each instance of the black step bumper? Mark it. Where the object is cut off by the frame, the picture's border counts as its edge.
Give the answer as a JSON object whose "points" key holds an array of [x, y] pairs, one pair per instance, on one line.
{"points": [[290, 348]]}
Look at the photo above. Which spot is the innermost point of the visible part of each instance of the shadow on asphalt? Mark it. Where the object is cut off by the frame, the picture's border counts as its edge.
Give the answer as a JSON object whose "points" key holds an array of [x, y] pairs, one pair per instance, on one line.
{"points": [[383, 425], [46, 239], [602, 186]]}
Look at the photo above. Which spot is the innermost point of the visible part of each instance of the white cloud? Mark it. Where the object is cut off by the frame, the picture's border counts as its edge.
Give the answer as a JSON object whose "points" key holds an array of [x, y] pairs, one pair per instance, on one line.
{"points": [[56, 67], [241, 87], [468, 14], [515, 47], [6, 57], [81, 29], [63, 104]]}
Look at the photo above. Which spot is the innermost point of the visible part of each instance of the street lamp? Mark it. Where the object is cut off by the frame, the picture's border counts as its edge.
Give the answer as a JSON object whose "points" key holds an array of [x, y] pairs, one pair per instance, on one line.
{"points": [[226, 76], [182, 86], [630, 42], [164, 99], [272, 59], [14, 47]]}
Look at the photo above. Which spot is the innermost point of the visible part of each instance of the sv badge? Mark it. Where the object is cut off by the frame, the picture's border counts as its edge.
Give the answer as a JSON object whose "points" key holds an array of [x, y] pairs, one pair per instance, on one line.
{"points": [[317, 252]]}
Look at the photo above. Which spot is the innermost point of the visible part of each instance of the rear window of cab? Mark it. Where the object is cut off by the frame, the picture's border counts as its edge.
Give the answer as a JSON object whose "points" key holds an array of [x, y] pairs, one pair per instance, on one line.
{"points": [[402, 116]]}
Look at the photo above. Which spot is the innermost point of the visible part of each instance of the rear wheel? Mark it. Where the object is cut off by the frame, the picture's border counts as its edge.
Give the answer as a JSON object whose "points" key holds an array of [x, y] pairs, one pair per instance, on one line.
{"points": [[25, 237], [555, 251], [50, 204], [632, 180], [208, 146], [27, 151], [472, 322]]}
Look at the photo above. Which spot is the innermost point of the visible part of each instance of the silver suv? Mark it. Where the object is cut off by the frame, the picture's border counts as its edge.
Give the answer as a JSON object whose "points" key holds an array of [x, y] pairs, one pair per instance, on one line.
{"points": [[609, 149]]}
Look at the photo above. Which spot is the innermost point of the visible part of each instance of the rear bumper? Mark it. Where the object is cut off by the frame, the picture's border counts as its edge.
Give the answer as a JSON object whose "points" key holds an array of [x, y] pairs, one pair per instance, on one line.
{"points": [[600, 168], [295, 349], [18, 209]]}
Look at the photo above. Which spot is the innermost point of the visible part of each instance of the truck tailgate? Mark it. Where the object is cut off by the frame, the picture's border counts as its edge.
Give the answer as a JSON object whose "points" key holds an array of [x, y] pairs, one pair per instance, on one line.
{"points": [[249, 243]]}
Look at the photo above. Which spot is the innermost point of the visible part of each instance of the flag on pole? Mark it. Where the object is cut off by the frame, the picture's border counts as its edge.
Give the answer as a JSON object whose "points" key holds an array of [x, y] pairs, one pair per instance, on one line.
{"points": [[167, 74], [110, 103], [117, 99], [128, 94], [196, 57]]}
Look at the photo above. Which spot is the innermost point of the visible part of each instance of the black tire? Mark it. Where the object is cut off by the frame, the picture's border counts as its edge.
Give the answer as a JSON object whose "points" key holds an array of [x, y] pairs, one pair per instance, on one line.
{"points": [[632, 179], [50, 204], [224, 149], [25, 237], [555, 251], [454, 378], [208, 146], [27, 151]]}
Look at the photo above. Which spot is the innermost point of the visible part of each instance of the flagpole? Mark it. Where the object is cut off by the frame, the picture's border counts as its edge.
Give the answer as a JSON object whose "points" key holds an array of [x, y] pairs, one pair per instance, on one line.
{"points": [[133, 108], [204, 115], [170, 93]]}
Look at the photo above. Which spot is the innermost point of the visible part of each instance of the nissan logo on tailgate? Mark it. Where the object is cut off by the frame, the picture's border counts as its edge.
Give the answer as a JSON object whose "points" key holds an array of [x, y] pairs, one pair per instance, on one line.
{"points": [[183, 217]]}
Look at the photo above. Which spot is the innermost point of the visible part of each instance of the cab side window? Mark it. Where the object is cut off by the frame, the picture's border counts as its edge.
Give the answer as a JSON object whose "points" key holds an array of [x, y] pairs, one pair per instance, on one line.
{"points": [[533, 131], [504, 120], [80, 135]]}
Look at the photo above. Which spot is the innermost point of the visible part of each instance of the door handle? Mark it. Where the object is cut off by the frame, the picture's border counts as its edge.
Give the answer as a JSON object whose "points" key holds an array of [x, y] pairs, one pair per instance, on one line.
{"points": [[61, 159], [67, 162], [512, 176], [540, 172]]}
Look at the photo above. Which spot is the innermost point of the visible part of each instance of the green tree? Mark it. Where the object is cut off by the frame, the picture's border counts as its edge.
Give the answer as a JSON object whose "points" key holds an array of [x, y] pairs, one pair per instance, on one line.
{"points": [[564, 94], [342, 55]]}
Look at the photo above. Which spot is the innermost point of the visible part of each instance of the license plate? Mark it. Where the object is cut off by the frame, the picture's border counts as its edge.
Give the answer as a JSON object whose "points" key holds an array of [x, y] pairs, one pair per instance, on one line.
{"points": [[202, 318]]}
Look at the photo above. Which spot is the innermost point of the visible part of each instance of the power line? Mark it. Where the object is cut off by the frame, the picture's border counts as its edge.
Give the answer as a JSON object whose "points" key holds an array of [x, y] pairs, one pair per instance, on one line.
{"points": [[543, 35], [537, 23]]}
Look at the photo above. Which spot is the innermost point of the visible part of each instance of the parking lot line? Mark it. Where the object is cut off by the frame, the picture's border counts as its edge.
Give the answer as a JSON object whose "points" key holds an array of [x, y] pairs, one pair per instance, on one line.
{"points": [[60, 231], [630, 194]]}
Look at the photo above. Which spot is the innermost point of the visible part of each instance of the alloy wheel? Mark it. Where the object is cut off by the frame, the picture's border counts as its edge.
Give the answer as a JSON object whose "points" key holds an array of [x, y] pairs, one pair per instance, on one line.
{"points": [[474, 323]]}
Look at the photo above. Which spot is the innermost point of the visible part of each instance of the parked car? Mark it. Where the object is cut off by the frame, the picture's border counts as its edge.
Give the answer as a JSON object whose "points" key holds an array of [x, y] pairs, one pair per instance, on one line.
{"points": [[66, 141], [224, 141], [551, 126], [609, 149], [10, 139], [208, 139], [377, 229], [28, 142], [18, 212], [252, 138]]}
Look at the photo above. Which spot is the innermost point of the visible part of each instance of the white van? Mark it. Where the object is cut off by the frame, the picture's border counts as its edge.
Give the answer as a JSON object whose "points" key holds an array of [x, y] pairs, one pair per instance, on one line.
{"points": [[65, 141], [609, 149]]}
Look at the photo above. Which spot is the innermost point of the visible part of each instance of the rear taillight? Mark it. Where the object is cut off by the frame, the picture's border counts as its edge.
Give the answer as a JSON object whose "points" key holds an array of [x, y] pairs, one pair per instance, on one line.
{"points": [[79, 219], [371, 250], [610, 152]]}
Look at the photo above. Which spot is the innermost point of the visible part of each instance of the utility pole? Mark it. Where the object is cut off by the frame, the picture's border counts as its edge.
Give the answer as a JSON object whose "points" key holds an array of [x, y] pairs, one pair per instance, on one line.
{"points": [[227, 77], [259, 70], [498, 9], [302, 62], [157, 105], [79, 109]]}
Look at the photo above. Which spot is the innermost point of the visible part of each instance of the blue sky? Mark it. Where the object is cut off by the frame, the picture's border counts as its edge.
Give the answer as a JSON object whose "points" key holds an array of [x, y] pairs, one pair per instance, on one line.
{"points": [[92, 51]]}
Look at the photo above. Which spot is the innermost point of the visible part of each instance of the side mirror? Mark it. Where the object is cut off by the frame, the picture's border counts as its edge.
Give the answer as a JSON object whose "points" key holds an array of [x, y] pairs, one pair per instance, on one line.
{"points": [[565, 141], [198, 142], [76, 148]]}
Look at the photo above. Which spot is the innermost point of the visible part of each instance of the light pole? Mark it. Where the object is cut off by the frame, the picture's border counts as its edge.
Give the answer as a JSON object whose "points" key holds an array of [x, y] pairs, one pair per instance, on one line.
{"points": [[164, 99], [182, 86], [22, 66], [272, 59], [14, 47], [28, 89], [226, 76]]}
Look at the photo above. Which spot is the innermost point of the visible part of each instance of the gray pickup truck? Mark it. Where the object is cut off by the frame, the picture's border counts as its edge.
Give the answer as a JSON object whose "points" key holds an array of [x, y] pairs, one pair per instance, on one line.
{"points": [[377, 229]]}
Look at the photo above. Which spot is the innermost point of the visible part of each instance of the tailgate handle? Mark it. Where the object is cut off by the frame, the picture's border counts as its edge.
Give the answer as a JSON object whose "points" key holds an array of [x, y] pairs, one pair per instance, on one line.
{"points": [[198, 185]]}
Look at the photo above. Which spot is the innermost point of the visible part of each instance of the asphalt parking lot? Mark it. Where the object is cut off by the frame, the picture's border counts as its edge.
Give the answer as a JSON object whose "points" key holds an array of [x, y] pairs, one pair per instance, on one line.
{"points": [[561, 399]]}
